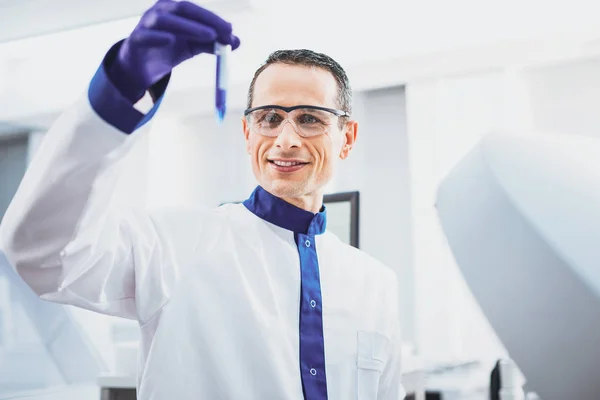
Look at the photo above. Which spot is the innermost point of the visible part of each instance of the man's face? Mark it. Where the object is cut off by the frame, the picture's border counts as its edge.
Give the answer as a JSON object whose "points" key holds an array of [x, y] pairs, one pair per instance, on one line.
{"points": [[287, 86]]}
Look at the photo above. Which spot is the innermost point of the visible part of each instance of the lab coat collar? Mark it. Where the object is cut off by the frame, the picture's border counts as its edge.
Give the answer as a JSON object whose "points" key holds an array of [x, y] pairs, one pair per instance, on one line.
{"points": [[285, 215]]}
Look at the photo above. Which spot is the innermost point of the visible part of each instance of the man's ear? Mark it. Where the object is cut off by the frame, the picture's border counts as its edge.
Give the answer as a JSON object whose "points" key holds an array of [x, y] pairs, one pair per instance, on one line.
{"points": [[350, 134], [246, 130]]}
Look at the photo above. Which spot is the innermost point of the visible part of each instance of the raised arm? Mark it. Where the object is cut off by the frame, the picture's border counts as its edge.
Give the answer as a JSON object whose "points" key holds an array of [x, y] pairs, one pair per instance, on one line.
{"points": [[59, 232]]}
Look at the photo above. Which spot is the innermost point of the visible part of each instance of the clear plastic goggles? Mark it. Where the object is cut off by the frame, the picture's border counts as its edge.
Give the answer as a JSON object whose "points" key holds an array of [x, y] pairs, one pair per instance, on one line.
{"points": [[307, 121]]}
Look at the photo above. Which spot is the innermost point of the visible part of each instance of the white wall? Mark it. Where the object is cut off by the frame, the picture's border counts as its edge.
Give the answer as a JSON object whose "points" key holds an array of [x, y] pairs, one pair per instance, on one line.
{"points": [[566, 96], [446, 117], [195, 160], [378, 168]]}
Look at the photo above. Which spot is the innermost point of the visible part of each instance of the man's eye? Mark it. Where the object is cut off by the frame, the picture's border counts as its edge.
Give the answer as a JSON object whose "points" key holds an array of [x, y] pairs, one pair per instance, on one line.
{"points": [[272, 118], [308, 119]]}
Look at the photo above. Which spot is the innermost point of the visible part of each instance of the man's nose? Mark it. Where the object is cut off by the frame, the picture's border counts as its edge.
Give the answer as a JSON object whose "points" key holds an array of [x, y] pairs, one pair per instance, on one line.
{"points": [[288, 137]]}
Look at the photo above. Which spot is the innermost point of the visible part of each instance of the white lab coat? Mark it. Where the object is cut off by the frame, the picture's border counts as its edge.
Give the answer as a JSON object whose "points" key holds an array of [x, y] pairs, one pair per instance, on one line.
{"points": [[215, 291]]}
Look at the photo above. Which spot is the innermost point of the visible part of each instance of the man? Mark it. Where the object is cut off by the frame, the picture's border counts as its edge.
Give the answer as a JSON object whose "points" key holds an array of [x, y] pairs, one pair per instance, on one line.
{"points": [[247, 301]]}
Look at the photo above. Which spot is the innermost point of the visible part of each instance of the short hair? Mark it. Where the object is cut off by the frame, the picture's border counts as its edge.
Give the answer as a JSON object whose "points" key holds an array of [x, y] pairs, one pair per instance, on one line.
{"points": [[310, 58]]}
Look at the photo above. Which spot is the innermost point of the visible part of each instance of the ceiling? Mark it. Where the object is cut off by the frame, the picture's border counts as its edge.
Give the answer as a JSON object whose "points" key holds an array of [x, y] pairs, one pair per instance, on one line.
{"points": [[379, 42], [26, 18]]}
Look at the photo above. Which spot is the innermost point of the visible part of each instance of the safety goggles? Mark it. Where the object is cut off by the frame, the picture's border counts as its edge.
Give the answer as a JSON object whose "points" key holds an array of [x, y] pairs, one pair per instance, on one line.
{"points": [[307, 121]]}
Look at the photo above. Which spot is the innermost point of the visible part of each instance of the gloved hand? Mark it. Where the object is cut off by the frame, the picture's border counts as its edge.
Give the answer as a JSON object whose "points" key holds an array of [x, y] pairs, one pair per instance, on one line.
{"points": [[169, 33]]}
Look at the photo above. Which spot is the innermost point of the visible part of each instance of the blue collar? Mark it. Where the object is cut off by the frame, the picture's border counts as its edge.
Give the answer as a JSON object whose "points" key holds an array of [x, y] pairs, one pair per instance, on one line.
{"points": [[285, 215]]}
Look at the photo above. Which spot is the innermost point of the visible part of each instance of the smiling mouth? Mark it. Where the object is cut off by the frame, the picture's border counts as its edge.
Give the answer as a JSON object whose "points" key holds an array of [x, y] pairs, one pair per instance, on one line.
{"points": [[287, 163], [287, 166]]}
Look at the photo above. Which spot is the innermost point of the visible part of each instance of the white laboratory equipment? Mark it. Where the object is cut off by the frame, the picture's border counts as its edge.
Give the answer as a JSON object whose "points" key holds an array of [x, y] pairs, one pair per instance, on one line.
{"points": [[521, 214]]}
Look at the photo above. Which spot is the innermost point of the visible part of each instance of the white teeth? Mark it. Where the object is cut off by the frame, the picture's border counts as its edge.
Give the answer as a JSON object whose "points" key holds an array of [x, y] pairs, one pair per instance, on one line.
{"points": [[285, 163]]}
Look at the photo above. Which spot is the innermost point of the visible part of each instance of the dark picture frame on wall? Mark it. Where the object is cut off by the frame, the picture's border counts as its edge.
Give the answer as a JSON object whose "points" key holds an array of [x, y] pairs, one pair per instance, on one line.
{"points": [[343, 215]]}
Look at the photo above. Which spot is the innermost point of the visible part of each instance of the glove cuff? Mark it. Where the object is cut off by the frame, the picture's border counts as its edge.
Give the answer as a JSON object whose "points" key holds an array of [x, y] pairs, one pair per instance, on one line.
{"points": [[117, 73], [112, 106]]}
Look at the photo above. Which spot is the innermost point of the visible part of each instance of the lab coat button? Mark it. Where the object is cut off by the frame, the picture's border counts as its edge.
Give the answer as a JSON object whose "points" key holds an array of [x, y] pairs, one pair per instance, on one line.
{"points": [[307, 243], [313, 372]]}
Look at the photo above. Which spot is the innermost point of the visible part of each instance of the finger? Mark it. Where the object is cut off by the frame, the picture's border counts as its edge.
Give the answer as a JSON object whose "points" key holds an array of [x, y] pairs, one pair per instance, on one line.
{"points": [[197, 48], [146, 37], [183, 28], [196, 13], [210, 47], [164, 5], [235, 42]]}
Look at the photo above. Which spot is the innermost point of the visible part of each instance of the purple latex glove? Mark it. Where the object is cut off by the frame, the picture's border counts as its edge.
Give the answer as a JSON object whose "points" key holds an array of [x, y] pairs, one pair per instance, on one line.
{"points": [[169, 33]]}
